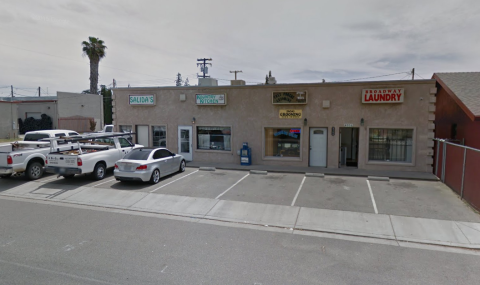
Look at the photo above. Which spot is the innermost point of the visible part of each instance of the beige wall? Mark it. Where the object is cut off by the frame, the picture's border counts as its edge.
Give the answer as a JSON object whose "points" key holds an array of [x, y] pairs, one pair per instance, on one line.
{"points": [[9, 112], [49, 108], [77, 105], [249, 110]]}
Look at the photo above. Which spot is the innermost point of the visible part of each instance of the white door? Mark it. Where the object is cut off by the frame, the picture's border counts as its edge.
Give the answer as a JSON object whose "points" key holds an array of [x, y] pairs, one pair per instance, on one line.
{"points": [[185, 142], [318, 147], [142, 135]]}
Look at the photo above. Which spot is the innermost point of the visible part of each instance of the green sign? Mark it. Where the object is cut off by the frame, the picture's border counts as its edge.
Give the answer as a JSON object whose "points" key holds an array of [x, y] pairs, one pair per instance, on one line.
{"points": [[141, 99], [211, 99]]}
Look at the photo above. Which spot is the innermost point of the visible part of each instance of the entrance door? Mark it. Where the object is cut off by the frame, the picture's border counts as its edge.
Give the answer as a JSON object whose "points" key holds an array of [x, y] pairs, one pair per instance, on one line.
{"points": [[142, 135], [349, 147], [185, 142], [318, 147]]}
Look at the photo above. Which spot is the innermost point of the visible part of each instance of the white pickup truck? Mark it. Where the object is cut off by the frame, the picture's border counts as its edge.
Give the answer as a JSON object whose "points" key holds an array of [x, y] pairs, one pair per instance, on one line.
{"points": [[29, 155], [93, 154]]}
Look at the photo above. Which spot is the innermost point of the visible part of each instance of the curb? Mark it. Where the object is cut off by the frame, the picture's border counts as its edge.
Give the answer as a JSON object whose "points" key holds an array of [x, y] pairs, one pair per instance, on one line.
{"points": [[378, 178], [261, 172], [204, 168]]}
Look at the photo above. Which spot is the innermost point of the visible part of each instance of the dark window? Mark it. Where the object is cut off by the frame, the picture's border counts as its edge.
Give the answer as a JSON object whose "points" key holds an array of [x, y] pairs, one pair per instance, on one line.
{"points": [[124, 142], [73, 134], [453, 135], [282, 142], [138, 154], [35, 137], [214, 138], [394, 145]]}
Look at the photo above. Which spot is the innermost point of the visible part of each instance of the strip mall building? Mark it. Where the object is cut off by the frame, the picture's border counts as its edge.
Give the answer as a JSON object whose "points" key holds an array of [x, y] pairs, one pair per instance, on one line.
{"points": [[386, 125]]}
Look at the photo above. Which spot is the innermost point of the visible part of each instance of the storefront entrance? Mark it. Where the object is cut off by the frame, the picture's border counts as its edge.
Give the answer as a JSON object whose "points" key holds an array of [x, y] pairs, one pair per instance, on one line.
{"points": [[318, 147], [185, 142], [348, 147], [142, 135]]}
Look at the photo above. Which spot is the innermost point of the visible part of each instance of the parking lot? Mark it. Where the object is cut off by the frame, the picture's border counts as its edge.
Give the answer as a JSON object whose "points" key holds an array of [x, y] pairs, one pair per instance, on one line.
{"points": [[424, 199]]}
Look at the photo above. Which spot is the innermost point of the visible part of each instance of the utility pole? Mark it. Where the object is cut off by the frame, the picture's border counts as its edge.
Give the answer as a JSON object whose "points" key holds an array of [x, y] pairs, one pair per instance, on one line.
{"points": [[12, 91], [413, 73], [203, 66], [236, 71], [38, 91]]}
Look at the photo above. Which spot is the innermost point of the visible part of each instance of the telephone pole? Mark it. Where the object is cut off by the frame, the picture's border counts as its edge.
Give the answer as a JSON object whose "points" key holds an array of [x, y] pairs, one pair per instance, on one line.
{"points": [[203, 66], [236, 71], [413, 73], [38, 91]]}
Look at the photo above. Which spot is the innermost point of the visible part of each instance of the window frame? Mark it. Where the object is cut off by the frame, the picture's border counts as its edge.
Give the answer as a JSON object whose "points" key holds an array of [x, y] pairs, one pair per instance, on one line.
{"points": [[280, 158], [195, 139], [397, 163]]}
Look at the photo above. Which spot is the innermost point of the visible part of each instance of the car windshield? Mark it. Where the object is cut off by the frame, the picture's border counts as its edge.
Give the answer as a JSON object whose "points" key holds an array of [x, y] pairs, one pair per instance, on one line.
{"points": [[138, 154], [34, 137]]}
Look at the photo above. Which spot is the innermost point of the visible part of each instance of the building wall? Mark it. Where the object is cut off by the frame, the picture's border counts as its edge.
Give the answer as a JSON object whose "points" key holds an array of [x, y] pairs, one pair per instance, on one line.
{"points": [[49, 108], [249, 110], [447, 113], [9, 117], [74, 110]]}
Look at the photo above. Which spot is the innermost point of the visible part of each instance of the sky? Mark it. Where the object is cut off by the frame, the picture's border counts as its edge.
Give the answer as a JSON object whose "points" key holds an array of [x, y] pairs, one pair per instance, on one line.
{"points": [[149, 42]]}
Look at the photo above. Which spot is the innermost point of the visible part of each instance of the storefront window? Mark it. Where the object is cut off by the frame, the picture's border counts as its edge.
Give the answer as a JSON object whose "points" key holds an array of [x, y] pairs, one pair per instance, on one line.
{"points": [[159, 135], [282, 142], [394, 145], [125, 128], [214, 138]]}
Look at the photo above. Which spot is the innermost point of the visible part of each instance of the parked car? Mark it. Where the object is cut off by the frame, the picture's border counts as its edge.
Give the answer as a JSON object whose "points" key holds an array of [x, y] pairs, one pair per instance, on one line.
{"points": [[148, 165], [29, 155]]}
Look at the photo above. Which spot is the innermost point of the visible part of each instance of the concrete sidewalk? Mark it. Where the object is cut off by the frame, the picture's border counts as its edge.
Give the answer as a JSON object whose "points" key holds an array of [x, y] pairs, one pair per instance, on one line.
{"points": [[379, 226], [413, 175]]}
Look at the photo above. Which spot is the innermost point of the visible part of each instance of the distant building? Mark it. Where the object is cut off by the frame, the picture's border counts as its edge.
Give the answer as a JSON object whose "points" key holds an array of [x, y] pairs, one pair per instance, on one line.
{"points": [[457, 113]]}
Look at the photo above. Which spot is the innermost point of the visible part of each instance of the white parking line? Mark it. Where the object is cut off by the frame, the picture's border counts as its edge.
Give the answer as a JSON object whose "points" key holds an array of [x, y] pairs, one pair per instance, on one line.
{"points": [[298, 192], [373, 199], [232, 186], [51, 179], [173, 181], [103, 183]]}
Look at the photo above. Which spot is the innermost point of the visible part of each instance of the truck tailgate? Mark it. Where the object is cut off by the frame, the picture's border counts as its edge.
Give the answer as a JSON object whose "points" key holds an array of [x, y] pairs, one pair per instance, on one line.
{"points": [[60, 160]]}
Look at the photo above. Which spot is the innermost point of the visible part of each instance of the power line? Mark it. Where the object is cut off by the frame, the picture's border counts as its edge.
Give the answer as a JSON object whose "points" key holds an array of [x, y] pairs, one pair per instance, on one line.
{"points": [[373, 77]]}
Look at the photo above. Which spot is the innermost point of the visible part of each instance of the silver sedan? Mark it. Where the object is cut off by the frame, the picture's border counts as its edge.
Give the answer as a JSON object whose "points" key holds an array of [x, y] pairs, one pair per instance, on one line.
{"points": [[148, 165]]}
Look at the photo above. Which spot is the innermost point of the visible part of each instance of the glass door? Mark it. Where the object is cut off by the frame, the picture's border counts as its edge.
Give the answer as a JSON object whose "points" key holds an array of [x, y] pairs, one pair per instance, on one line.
{"points": [[185, 142]]}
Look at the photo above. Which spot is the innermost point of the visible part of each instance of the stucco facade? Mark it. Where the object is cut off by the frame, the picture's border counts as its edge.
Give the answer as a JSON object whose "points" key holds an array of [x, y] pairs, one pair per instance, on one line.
{"points": [[75, 110], [8, 123], [249, 112], [37, 108]]}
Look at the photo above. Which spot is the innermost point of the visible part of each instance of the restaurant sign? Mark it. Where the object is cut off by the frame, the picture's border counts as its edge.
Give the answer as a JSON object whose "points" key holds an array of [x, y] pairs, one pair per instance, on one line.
{"points": [[141, 100], [211, 99], [387, 95], [290, 114], [290, 97]]}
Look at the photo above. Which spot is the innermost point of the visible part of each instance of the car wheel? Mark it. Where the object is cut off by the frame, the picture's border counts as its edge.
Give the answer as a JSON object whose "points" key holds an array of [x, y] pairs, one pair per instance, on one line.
{"points": [[5, 176], [99, 171], [68, 176], [182, 166], [155, 177], [34, 170]]}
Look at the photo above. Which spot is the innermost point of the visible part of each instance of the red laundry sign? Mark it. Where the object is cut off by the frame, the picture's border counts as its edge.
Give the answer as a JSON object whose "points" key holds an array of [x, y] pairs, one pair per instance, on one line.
{"points": [[390, 95]]}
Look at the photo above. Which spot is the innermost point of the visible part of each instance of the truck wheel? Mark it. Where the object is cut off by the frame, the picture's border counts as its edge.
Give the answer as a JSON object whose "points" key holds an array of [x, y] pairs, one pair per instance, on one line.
{"points": [[155, 177], [34, 170], [68, 176], [99, 171], [6, 176], [182, 166]]}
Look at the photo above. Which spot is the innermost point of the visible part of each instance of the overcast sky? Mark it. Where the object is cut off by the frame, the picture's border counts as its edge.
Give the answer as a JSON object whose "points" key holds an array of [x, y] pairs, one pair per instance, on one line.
{"points": [[149, 42]]}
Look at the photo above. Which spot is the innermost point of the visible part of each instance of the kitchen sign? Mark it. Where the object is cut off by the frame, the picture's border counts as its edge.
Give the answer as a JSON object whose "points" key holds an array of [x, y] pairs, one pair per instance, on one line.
{"points": [[290, 97], [290, 114], [211, 99], [387, 95], [141, 100]]}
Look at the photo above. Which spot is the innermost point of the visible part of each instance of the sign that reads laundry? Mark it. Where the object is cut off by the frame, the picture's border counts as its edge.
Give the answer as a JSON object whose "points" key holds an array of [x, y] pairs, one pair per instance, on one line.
{"points": [[210, 99], [290, 97], [290, 114], [141, 99], [388, 95]]}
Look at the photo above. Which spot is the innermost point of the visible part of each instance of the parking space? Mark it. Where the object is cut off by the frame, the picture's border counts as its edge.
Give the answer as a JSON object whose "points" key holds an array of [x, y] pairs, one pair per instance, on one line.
{"points": [[274, 188], [336, 193], [423, 199]]}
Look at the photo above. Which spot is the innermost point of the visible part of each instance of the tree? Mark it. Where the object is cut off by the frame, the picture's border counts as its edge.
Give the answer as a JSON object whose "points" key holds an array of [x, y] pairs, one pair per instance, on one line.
{"points": [[95, 50], [178, 81], [186, 82]]}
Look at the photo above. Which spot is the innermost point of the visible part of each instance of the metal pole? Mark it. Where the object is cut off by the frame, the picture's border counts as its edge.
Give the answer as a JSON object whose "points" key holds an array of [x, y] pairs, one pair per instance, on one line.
{"points": [[463, 171], [436, 160], [444, 160]]}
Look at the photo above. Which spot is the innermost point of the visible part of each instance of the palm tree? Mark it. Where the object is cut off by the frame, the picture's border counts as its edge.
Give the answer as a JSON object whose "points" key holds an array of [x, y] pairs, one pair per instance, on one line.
{"points": [[95, 50]]}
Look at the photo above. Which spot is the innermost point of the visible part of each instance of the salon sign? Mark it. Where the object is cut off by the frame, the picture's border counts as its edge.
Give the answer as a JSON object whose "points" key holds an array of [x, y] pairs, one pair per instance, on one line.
{"points": [[387, 95]]}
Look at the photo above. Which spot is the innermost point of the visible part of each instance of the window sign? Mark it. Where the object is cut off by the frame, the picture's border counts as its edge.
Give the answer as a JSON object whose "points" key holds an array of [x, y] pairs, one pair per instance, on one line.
{"points": [[290, 97], [290, 114], [141, 100], [211, 99], [388, 95], [280, 142]]}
